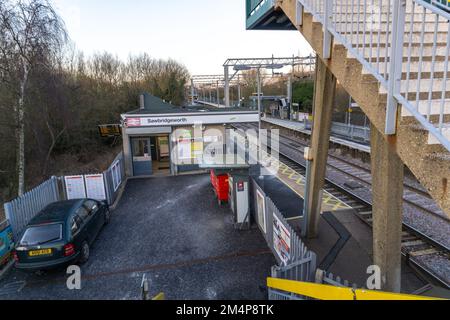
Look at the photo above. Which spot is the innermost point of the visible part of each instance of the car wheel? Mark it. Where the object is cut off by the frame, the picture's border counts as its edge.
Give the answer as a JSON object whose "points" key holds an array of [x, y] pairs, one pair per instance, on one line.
{"points": [[107, 216], [85, 252]]}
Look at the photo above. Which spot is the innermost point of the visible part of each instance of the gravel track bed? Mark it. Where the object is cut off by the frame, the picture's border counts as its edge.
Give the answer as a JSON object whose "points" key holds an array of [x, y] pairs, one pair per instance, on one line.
{"points": [[430, 225], [438, 263]]}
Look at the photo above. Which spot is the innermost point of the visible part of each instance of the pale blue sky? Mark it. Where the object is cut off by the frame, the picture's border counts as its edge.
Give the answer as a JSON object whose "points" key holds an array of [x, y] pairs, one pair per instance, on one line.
{"points": [[199, 33]]}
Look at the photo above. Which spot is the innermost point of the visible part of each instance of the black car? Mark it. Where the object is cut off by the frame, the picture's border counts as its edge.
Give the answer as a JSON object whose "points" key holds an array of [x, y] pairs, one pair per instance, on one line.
{"points": [[61, 234]]}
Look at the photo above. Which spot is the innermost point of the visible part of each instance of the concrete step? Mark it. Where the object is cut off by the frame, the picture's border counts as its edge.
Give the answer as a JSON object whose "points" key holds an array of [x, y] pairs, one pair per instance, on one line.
{"points": [[413, 53], [382, 5], [384, 17], [435, 108], [374, 25], [416, 38], [416, 66], [423, 87]]}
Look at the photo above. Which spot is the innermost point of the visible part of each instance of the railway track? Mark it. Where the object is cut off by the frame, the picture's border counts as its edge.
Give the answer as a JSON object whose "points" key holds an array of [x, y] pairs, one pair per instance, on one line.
{"points": [[414, 196], [415, 243]]}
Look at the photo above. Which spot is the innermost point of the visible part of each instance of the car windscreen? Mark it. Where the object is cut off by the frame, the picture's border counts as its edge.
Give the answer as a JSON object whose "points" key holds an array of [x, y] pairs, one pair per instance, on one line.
{"points": [[42, 234]]}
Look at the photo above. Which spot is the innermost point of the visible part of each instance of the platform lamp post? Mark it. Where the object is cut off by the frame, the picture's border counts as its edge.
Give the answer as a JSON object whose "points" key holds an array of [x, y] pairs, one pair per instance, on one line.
{"points": [[227, 86], [258, 80], [192, 90], [218, 95], [309, 159], [210, 93], [239, 91]]}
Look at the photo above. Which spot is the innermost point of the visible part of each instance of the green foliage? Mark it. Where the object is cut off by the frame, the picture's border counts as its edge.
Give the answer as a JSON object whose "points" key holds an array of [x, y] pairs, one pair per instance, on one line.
{"points": [[303, 94], [67, 100]]}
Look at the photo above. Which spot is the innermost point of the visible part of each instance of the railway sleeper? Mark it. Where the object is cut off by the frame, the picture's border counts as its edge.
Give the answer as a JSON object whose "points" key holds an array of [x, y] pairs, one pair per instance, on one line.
{"points": [[425, 252]]}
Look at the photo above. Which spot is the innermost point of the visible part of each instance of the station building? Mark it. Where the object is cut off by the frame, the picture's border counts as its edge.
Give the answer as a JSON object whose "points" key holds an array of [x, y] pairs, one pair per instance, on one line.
{"points": [[160, 138]]}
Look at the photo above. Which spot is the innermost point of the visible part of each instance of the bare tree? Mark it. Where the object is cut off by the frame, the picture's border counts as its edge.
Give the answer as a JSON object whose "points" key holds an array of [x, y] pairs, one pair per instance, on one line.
{"points": [[30, 33]]}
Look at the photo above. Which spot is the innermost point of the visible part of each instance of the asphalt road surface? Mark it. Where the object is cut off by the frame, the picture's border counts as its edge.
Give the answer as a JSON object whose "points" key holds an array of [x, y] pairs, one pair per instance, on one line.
{"points": [[173, 231]]}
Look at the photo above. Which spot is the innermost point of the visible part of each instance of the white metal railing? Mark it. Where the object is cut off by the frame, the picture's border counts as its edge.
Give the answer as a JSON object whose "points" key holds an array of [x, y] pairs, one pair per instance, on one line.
{"points": [[404, 44]]}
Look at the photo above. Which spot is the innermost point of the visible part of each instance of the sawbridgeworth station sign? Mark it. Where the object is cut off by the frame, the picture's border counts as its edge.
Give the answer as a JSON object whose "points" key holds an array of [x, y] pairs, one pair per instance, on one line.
{"points": [[181, 120]]}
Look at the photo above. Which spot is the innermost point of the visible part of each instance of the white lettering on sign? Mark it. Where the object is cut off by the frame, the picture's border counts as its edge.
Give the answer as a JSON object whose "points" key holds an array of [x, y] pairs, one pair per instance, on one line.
{"points": [[190, 120]]}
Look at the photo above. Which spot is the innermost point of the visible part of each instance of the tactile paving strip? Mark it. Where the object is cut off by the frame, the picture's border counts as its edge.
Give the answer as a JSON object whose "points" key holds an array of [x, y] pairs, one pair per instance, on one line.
{"points": [[296, 182]]}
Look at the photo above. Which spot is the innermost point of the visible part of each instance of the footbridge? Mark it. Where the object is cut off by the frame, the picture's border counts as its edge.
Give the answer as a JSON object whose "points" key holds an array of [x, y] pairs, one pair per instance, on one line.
{"points": [[392, 57]]}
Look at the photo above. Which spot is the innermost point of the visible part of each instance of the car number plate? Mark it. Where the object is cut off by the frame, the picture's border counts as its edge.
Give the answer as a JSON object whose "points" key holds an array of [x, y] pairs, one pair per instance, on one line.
{"points": [[43, 252]]}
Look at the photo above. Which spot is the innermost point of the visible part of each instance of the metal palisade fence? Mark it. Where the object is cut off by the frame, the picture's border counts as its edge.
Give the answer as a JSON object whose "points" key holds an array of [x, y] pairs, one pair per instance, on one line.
{"points": [[21, 210], [324, 277], [296, 261]]}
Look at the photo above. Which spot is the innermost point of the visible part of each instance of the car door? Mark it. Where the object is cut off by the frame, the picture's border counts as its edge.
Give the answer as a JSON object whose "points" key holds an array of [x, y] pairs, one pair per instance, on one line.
{"points": [[96, 216], [88, 227], [77, 230]]}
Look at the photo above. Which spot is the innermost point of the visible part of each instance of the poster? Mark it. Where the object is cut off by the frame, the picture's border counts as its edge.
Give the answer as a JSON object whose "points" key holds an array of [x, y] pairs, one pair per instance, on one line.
{"points": [[197, 148], [261, 203], [184, 149], [185, 145], [95, 186], [6, 243], [281, 240], [75, 188]]}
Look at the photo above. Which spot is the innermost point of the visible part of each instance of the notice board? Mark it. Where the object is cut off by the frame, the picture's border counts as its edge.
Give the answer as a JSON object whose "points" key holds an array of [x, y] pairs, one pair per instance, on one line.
{"points": [[75, 187], [95, 186]]}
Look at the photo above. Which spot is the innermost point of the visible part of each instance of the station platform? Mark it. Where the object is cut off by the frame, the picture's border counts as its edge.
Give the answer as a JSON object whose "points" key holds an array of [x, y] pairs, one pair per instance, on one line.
{"points": [[296, 182], [344, 243], [219, 106], [300, 127]]}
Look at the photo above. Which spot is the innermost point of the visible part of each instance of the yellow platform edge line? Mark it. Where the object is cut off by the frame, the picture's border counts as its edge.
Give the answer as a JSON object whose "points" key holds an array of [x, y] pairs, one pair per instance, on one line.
{"points": [[327, 292], [326, 195], [161, 296]]}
